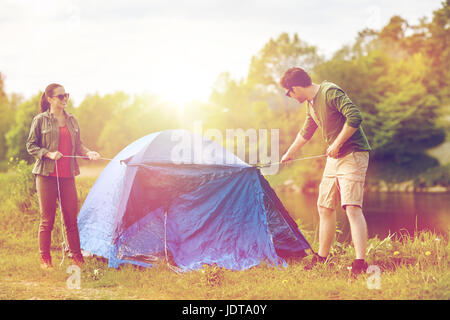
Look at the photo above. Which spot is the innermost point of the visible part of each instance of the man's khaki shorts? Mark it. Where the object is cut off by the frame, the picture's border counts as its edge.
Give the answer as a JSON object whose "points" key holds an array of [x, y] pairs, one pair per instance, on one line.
{"points": [[344, 177]]}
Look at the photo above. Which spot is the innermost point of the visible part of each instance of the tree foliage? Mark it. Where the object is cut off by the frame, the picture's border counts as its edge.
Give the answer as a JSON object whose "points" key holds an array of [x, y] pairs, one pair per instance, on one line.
{"points": [[18, 133], [138, 117], [399, 76], [267, 67], [400, 80], [6, 118]]}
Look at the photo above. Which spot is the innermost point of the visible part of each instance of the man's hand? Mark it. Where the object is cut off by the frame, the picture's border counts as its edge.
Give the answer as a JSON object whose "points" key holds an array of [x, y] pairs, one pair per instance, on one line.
{"points": [[346, 132], [55, 155], [294, 148], [333, 150], [93, 155]]}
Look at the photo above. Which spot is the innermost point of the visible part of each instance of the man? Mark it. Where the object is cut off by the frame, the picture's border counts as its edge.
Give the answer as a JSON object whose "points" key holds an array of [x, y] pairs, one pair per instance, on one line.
{"points": [[331, 110]]}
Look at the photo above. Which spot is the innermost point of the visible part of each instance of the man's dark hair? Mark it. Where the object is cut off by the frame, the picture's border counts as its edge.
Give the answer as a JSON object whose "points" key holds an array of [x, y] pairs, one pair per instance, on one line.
{"points": [[294, 77]]}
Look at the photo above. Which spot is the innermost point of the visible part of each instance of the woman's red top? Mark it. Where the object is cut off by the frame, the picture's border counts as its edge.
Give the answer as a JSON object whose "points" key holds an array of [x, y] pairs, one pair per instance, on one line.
{"points": [[65, 147]]}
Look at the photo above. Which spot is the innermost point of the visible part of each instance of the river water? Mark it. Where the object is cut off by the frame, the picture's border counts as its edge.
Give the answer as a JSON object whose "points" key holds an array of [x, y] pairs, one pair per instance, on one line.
{"points": [[385, 213]]}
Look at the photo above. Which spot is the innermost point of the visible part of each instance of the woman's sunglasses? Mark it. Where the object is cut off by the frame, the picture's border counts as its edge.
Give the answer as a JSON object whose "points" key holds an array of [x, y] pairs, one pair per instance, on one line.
{"points": [[62, 96], [288, 93]]}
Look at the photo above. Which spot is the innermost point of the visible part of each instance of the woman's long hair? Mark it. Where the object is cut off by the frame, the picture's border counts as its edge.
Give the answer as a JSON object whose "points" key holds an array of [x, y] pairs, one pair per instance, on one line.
{"points": [[45, 105]]}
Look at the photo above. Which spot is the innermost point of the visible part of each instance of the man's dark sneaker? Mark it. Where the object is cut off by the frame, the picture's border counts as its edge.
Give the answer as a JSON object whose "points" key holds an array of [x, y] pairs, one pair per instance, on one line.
{"points": [[359, 266], [46, 263], [314, 261]]}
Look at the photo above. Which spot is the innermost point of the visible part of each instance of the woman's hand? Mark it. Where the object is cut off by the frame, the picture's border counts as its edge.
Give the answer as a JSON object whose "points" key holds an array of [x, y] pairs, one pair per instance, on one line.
{"points": [[55, 155], [286, 157], [93, 155]]}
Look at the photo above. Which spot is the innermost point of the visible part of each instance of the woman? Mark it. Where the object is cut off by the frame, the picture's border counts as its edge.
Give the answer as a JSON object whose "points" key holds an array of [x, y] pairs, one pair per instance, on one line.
{"points": [[54, 140]]}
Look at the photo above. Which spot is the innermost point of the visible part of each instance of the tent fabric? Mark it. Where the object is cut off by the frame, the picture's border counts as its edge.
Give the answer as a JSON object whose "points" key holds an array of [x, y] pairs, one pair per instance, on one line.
{"points": [[207, 207]]}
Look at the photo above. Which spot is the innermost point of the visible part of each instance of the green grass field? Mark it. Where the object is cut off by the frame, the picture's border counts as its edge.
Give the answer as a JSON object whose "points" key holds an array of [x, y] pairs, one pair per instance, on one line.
{"points": [[407, 266]]}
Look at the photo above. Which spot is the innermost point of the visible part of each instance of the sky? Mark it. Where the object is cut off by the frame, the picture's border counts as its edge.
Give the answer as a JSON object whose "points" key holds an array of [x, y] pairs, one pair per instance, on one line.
{"points": [[172, 48]]}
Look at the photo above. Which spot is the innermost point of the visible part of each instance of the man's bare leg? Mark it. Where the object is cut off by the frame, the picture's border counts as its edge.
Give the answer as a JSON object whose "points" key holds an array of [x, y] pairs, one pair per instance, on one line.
{"points": [[327, 230], [358, 229]]}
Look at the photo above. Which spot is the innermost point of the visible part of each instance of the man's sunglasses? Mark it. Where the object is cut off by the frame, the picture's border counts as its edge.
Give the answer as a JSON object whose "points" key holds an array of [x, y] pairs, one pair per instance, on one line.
{"points": [[288, 93], [62, 96]]}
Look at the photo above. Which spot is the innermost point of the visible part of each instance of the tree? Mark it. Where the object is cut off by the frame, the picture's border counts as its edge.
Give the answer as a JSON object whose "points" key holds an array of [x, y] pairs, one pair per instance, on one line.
{"points": [[18, 133], [267, 67], [143, 115], [407, 113], [95, 112], [437, 48], [258, 101], [7, 110]]}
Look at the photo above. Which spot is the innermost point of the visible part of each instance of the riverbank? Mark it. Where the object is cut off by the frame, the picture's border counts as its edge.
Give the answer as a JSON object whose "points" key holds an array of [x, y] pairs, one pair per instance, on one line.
{"points": [[407, 186], [381, 186]]}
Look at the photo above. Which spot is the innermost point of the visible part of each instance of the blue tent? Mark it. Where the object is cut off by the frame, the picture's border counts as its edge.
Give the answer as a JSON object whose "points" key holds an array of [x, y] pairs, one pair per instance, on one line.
{"points": [[178, 196]]}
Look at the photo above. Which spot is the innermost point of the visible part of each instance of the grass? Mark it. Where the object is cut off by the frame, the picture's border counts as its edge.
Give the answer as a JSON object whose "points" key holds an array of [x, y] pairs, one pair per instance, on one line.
{"points": [[411, 266]]}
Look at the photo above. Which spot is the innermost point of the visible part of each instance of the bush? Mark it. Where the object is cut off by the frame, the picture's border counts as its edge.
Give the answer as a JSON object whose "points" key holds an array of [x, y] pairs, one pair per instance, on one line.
{"points": [[21, 182], [395, 170], [3, 166], [434, 176]]}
